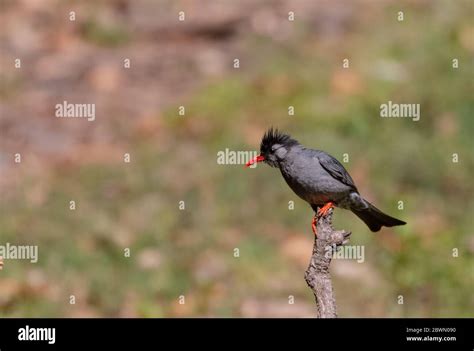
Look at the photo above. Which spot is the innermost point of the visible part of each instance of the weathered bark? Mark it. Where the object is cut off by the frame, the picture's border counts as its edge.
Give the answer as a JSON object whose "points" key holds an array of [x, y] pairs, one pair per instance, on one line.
{"points": [[317, 275]]}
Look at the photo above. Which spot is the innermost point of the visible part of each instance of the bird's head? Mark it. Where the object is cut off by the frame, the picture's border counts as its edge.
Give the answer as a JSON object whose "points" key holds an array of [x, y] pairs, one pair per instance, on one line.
{"points": [[273, 148]]}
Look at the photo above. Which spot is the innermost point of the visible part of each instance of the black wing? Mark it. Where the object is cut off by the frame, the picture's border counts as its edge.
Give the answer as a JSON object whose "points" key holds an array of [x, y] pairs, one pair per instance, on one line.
{"points": [[335, 169]]}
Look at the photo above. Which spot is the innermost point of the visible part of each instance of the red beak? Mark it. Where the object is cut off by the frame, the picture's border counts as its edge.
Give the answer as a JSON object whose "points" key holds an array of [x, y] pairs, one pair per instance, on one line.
{"points": [[256, 159]]}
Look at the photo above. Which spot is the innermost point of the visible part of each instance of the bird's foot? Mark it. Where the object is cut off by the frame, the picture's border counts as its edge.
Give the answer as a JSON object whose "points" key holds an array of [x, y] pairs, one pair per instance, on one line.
{"points": [[313, 225], [324, 210]]}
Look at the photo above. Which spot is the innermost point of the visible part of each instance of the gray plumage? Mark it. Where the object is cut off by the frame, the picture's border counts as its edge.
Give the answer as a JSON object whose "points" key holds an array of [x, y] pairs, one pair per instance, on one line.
{"points": [[318, 178]]}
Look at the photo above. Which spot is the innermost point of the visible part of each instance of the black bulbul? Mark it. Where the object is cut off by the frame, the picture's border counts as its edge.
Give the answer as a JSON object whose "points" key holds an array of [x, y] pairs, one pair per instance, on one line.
{"points": [[319, 179]]}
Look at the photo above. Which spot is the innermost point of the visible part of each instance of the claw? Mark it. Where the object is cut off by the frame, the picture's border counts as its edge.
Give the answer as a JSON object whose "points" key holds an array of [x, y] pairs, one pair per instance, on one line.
{"points": [[324, 210]]}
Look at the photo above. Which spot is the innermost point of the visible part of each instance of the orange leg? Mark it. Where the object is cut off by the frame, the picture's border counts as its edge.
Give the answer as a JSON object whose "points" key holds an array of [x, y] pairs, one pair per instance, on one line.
{"points": [[313, 225], [323, 210]]}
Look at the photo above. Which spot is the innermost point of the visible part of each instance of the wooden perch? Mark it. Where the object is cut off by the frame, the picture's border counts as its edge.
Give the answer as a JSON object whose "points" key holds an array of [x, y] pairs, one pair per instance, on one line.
{"points": [[317, 275]]}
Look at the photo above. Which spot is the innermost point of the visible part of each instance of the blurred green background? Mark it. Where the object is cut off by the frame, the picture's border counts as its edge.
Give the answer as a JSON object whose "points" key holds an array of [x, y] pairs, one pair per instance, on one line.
{"points": [[283, 63]]}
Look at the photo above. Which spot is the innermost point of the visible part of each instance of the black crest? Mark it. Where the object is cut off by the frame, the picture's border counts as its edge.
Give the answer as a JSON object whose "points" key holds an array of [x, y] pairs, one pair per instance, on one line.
{"points": [[274, 136]]}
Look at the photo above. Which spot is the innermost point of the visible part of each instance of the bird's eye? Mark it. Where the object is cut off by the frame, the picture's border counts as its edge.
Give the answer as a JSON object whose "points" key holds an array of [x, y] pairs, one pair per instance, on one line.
{"points": [[276, 147]]}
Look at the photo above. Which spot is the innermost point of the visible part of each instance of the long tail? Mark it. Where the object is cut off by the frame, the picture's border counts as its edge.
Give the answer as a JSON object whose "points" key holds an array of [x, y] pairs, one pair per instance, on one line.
{"points": [[375, 219]]}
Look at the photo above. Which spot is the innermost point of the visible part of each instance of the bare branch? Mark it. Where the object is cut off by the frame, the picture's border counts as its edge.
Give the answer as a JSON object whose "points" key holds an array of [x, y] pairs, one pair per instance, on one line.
{"points": [[317, 275]]}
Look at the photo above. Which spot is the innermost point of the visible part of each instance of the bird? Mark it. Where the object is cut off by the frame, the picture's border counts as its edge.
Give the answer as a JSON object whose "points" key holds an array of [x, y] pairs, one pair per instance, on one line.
{"points": [[319, 179]]}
